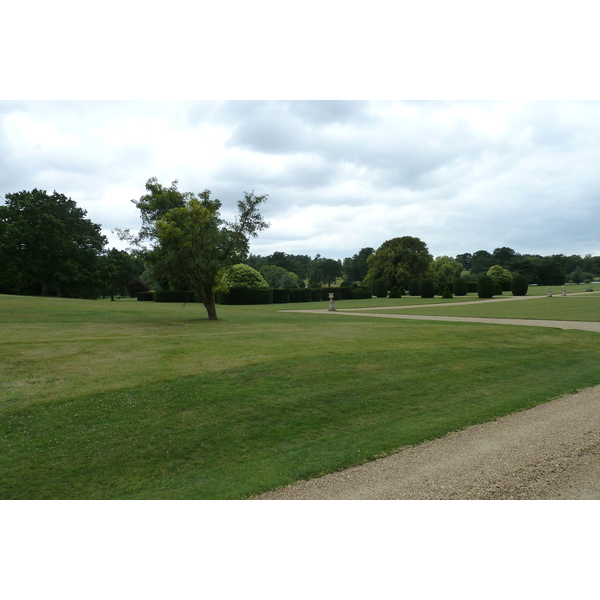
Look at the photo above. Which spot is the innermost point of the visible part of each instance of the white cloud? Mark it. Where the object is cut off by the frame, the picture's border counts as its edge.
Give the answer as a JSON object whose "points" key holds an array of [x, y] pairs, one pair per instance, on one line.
{"points": [[340, 176]]}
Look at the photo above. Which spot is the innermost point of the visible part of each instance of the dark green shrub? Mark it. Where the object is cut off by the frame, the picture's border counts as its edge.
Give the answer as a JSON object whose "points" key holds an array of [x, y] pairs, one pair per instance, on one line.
{"points": [[315, 294], [379, 288], [518, 285], [361, 293], [345, 284], [486, 287], [306, 295], [295, 295], [281, 296], [395, 292], [497, 289], [471, 287], [459, 287], [176, 296], [246, 296], [145, 296], [446, 293], [427, 288], [414, 287]]}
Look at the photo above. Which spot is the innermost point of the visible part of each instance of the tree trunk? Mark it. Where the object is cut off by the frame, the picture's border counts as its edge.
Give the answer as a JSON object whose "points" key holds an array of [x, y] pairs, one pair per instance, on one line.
{"points": [[211, 307]]}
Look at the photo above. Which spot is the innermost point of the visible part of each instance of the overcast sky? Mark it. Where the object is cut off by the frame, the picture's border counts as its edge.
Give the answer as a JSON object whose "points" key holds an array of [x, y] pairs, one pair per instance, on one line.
{"points": [[340, 175]]}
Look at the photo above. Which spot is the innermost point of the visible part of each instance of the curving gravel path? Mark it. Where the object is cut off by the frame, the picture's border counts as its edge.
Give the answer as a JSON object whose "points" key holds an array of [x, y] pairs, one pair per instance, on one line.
{"points": [[551, 451]]}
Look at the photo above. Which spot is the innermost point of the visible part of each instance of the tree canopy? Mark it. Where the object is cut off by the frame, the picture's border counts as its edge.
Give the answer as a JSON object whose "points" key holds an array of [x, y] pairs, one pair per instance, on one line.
{"points": [[398, 260], [191, 242], [242, 276], [48, 246]]}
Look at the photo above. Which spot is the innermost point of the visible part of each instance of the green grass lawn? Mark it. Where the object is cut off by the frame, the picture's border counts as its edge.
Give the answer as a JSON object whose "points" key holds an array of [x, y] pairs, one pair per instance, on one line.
{"points": [[132, 400], [585, 307]]}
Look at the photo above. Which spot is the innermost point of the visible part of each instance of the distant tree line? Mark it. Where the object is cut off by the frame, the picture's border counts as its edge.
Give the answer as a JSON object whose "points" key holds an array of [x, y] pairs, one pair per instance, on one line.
{"points": [[48, 246]]}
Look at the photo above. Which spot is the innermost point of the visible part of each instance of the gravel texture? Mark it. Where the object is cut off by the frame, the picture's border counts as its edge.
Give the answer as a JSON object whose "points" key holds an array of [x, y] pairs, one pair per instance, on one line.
{"points": [[551, 451]]}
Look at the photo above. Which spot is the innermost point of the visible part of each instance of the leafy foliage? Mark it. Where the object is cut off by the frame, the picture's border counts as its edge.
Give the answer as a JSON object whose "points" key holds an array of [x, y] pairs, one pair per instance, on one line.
{"points": [[48, 246], [499, 274], [278, 277], [395, 292], [444, 268], [398, 260], [242, 276], [191, 240]]}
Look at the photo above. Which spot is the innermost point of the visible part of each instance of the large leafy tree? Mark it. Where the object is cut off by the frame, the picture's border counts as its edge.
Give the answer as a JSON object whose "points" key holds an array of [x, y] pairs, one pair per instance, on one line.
{"points": [[118, 267], [355, 268], [444, 268], [190, 241], [48, 246], [398, 260]]}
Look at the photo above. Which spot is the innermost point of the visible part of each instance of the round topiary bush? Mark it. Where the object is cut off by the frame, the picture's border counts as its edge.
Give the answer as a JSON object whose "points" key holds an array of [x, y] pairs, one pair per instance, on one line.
{"points": [[427, 288], [395, 292], [518, 285], [460, 287], [447, 293], [486, 287], [414, 287], [379, 288]]}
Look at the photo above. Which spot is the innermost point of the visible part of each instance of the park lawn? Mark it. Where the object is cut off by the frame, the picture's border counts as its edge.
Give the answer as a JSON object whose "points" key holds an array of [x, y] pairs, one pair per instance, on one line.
{"points": [[134, 400], [585, 307]]}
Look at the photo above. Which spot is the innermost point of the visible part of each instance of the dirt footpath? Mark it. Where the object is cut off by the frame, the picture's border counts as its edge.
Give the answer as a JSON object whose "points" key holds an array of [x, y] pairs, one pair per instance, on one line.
{"points": [[551, 451]]}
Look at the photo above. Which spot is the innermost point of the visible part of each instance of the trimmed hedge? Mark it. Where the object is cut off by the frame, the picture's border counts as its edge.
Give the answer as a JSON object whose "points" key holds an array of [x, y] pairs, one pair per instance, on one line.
{"points": [[379, 288], [486, 287], [459, 287], [361, 293], [414, 287], [427, 288], [246, 296], [177, 296], [145, 296], [518, 285]]}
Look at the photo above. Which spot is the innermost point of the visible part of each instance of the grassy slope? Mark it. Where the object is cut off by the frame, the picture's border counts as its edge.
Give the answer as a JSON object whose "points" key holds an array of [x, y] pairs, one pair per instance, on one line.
{"points": [[144, 400]]}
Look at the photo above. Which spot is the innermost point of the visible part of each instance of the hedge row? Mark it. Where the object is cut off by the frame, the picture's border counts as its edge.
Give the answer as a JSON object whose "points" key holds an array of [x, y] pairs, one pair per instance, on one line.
{"points": [[282, 296], [263, 296]]}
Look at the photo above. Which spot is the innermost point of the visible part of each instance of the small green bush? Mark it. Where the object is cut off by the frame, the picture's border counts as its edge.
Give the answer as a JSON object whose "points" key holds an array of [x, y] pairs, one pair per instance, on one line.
{"points": [[459, 286], [379, 288], [518, 285], [414, 287], [395, 292], [486, 287], [361, 293], [497, 289], [447, 293], [427, 288]]}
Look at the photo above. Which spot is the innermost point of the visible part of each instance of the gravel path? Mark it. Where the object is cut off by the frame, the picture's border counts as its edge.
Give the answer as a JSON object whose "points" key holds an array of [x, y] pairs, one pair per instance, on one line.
{"points": [[551, 451]]}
